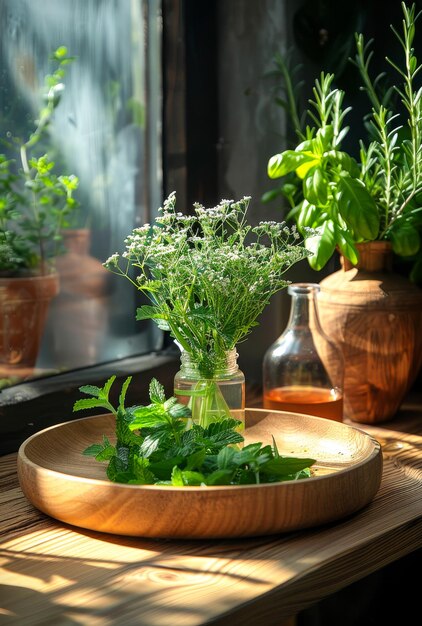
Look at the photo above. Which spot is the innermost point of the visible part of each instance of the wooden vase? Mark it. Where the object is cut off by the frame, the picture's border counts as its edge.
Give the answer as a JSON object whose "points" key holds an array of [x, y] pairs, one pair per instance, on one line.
{"points": [[376, 317]]}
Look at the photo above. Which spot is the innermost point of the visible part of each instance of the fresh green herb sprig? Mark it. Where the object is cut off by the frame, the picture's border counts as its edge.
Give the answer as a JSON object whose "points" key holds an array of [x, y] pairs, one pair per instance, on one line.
{"points": [[154, 446], [208, 276], [35, 202]]}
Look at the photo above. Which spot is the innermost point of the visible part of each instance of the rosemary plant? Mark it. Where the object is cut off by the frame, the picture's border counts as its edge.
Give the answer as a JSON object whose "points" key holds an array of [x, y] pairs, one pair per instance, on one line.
{"points": [[376, 196], [209, 275]]}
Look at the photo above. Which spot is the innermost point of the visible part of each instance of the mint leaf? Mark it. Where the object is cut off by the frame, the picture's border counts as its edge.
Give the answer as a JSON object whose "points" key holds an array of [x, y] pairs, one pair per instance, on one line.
{"points": [[100, 399], [283, 466], [162, 451], [106, 453], [89, 403], [220, 477], [180, 478], [142, 472], [156, 392], [93, 450], [90, 390], [177, 477], [225, 458], [195, 460], [122, 396], [164, 467], [147, 416], [106, 389], [179, 411]]}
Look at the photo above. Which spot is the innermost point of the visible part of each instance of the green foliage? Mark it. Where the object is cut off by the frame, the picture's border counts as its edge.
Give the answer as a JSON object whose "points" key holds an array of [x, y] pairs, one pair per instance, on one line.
{"points": [[347, 200], [100, 396], [154, 445], [35, 202], [208, 276]]}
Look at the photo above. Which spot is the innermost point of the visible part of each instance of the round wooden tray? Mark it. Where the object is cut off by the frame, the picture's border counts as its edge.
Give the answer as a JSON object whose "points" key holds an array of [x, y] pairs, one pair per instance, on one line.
{"points": [[58, 480]]}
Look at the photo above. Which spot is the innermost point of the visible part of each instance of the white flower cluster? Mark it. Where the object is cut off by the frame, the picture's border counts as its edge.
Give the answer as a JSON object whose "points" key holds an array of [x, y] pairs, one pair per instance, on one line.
{"points": [[208, 275]]}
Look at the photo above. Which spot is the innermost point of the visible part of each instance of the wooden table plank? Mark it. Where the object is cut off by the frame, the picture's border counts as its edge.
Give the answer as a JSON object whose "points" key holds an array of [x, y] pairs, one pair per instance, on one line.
{"points": [[51, 573]]}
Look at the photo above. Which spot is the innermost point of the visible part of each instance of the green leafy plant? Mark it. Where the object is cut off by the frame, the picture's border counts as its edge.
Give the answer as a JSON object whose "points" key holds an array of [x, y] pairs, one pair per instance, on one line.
{"points": [[208, 276], [377, 196], [35, 202], [155, 445]]}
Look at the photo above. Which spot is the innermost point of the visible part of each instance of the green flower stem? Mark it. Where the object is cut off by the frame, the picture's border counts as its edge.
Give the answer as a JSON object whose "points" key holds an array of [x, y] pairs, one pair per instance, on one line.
{"points": [[206, 402]]}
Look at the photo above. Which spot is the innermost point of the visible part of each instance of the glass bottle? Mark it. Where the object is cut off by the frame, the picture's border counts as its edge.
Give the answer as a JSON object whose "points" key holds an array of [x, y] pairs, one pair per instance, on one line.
{"points": [[303, 370], [214, 398]]}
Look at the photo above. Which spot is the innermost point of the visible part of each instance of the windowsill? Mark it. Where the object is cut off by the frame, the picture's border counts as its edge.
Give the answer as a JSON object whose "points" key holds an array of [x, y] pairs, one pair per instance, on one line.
{"points": [[28, 407]]}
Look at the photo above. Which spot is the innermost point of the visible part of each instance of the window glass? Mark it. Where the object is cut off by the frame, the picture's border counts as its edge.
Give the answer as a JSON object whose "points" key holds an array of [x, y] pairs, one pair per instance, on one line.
{"points": [[106, 131]]}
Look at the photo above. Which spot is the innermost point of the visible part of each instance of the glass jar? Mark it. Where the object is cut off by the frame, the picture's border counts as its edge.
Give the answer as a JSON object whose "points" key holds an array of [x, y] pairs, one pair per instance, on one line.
{"points": [[211, 398], [303, 371]]}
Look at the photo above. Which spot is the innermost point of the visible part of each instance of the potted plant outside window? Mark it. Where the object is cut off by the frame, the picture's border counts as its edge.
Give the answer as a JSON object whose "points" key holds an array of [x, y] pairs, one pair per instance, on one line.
{"points": [[35, 204], [366, 208]]}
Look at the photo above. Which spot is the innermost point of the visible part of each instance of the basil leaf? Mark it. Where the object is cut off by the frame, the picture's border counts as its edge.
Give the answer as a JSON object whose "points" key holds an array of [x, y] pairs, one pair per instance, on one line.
{"points": [[357, 207], [344, 161], [310, 216], [346, 245], [315, 187], [405, 239], [322, 245], [288, 161], [268, 196]]}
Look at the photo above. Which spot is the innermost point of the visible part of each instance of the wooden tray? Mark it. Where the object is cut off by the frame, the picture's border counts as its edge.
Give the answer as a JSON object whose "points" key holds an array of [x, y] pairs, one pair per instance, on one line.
{"points": [[58, 480]]}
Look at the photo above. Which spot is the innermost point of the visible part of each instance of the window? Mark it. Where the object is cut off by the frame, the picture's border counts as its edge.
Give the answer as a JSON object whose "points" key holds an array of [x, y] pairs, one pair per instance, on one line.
{"points": [[106, 130]]}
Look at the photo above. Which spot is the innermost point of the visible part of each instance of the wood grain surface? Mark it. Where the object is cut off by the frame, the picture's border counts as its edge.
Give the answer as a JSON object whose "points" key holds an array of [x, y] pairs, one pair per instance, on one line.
{"points": [[54, 574]]}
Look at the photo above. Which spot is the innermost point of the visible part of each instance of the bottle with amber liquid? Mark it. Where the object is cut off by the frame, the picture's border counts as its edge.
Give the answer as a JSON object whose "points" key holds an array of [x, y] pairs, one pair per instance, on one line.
{"points": [[303, 370]]}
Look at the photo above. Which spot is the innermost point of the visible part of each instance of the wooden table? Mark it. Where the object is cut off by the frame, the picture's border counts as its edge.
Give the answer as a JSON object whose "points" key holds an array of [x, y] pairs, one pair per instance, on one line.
{"points": [[53, 574]]}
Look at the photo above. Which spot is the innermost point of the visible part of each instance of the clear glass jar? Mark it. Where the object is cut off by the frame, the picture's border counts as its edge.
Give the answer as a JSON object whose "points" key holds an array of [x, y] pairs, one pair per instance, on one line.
{"points": [[215, 398], [303, 371]]}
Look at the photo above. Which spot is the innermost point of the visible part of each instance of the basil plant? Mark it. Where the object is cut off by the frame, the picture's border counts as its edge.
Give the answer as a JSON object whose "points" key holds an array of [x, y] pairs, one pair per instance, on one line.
{"points": [[377, 196]]}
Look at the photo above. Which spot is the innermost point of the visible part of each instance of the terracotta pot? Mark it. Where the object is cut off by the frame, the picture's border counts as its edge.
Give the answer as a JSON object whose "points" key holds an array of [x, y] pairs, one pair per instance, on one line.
{"points": [[376, 317], [80, 273], [80, 313], [24, 304]]}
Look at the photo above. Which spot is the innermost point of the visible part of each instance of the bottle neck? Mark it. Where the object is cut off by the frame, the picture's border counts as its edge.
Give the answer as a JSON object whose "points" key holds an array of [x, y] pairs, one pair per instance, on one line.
{"points": [[303, 310], [225, 366]]}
